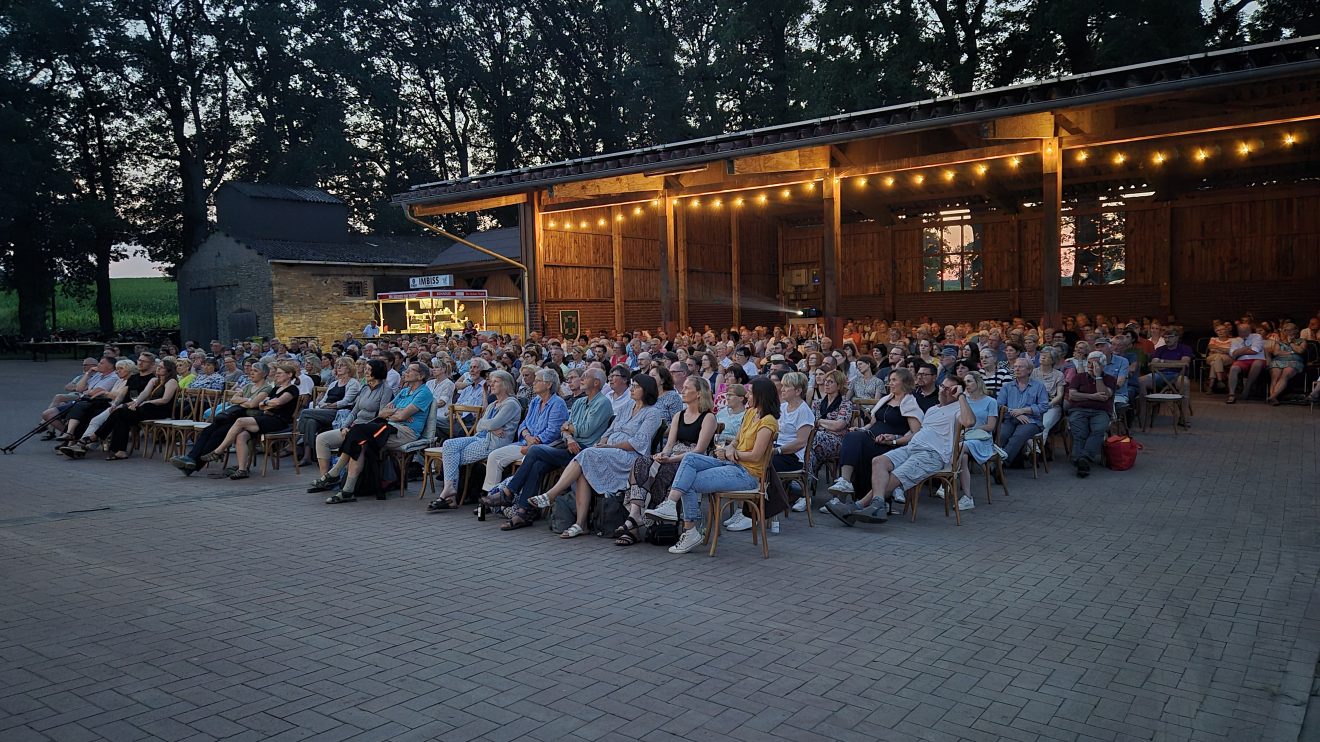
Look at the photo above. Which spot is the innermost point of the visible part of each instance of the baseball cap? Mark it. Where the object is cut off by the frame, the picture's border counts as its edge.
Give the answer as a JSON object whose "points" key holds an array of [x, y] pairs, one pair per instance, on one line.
{"points": [[1100, 341], [1095, 355], [948, 350]]}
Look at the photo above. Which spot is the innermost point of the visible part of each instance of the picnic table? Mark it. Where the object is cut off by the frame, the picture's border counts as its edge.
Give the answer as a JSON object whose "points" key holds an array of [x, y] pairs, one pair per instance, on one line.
{"points": [[74, 348]]}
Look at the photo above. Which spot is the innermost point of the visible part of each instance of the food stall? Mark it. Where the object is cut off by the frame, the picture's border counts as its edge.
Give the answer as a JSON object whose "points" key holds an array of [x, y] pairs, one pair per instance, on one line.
{"points": [[430, 310]]}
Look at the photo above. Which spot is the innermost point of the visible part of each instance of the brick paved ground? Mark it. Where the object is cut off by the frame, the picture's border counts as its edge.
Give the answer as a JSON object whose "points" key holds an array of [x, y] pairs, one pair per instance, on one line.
{"points": [[1176, 601]]}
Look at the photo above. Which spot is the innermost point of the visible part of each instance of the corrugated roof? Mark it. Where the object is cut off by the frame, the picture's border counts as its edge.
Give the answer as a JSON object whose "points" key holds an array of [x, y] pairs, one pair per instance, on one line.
{"points": [[506, 242], [358, 250], [1261, 61], [283, 192]]}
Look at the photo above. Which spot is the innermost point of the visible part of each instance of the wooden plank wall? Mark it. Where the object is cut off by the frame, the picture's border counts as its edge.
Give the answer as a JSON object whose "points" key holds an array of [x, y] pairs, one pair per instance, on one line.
{"points": [[760, 271], [577, 269], [709, 267], [641, 265]]}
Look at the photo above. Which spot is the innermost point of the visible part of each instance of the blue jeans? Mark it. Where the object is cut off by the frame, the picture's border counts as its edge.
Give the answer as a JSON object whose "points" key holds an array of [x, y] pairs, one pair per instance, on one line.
{"points": [[1088, 432], [698, 474], [539, 460]]}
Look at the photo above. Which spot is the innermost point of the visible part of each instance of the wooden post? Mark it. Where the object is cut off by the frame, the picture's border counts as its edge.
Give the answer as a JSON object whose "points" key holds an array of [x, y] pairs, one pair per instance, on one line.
{"points": [[680, 269], [616, 245], [735, 269], [529, 228], [831, 258], [1051, 158], [889, 258], [1164, 262], [666, 260]]}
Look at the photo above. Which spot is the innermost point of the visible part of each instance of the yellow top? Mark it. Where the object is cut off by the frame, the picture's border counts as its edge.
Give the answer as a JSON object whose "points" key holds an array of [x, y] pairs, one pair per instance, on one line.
{"points": [[746, 440]]}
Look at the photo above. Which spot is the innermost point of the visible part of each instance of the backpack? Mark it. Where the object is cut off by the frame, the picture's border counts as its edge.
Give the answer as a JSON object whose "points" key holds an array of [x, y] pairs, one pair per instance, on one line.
{"points": [[563, 513], [659, 532], [611, 515]]}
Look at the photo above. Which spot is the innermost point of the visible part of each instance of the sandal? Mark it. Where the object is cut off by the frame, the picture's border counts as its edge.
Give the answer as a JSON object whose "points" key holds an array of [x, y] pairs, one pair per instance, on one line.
{"points": [[240, 474], [573, 531], [628, 526], [627, 539], [117, 456], [438, 505], [1231, 399], [321, 484], [339, 498], [515, 523], [540, 501]]}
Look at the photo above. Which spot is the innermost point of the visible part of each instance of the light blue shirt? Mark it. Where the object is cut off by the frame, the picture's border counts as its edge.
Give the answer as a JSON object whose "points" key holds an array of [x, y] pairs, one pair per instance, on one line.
{"points": [[422, 399], [545, 421], [1033, 397]]}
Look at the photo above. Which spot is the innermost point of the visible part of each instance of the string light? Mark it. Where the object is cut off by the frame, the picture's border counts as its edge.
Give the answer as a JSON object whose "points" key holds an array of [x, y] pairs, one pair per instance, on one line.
{"points": [[1120, 158], [1015, 161], [949, 175], [762, 198], [982, 168], [861, 181], [583, 224], [696, 203], [810, 186], [718, 203], [1244, 149], [918, 179], [1202, 154], [1289, 139], [1082, 155], [618, 217], [889, 181], [553, 225], [600, 222], [1158, 158], [637, 210], [738, 201], [787, 193]]}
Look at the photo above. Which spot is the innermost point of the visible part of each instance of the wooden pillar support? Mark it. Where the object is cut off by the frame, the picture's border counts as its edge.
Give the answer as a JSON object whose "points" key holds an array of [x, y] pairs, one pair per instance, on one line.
{"points": [[616, 248], [529, 229], [831, 258], [1164, 263], [667, 238], [680, 269], [1051, 157], [735, 265]]}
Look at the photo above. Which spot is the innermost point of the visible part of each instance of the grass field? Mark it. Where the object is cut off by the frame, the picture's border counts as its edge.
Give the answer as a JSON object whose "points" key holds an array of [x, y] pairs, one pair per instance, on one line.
{"points": [[139, 303]]}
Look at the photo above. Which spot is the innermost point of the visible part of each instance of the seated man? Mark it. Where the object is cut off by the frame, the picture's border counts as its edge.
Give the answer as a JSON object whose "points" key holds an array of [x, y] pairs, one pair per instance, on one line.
{"points": [[1248, 353], [1116, 365], [928, 452], [587, 421], [95, 382], [407, 414], [543, 424], [1091, 405], [1170, 351], [1026, 400], [471, 393]]}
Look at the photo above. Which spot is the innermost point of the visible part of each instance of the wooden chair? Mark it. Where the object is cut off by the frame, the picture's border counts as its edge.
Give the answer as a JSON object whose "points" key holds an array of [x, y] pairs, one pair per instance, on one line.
{"points": [[287, 440], [1165, 390], [1036, 448], [404, 453], [152, 432], [861, 411], [456, 413], [947, 477], [996, 462], [754, 499], [803, 476]]}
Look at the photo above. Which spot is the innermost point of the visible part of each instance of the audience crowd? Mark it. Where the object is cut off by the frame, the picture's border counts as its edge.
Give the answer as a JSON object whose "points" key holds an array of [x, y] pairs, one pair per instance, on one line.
{"points": [[655, 421]]}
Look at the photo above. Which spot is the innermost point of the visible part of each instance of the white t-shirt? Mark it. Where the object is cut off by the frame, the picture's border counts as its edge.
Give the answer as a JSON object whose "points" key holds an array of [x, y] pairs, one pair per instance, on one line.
{"points": [[393, 380], [789, 422], [621, 404], [937, 430], [305, 385], [1253, 341], [751, 369]]}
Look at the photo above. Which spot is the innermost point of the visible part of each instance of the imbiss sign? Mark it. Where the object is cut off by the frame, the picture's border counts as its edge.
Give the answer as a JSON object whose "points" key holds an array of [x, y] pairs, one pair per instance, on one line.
{"points": [[431, 282]]}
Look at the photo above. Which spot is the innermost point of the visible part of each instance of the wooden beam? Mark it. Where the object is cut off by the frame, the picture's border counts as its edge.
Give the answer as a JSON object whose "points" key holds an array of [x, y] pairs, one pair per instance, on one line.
{"points": [[744, 182], [616, 247], [831, 259], [608, 186], [666, 261], [1188, 127], [735, 265], [1051, 217], [481, 204], [806, 158], [1026, 126], [618, 199], [956, 157], [529, 236]]}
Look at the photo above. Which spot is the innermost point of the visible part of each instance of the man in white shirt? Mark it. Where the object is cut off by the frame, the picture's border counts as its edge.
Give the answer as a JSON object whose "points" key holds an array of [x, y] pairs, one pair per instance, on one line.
{"points": [[1312, 331], [1248, 354], [928, 452], [372, 330], [617, 391]]}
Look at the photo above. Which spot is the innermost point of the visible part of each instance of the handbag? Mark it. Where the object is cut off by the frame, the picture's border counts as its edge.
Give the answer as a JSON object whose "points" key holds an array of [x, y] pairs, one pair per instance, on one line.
{"points": [[1121, 452]]}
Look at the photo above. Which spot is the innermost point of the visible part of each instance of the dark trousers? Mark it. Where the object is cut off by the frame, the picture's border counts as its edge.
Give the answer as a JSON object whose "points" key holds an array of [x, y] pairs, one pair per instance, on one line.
{"points": [[87, 409], [539, 461], [210, 437], [1013, 436], [122, 420], [859, 448]]}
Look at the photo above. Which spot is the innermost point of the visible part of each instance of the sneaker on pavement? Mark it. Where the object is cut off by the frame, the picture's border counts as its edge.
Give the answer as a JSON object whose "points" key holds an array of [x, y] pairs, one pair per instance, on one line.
{"points": [[833, 501], [899, 497], [940, 492], [774, 528], [841, 486], [966, 503], [842, 511], [800, 506], [740, 523], [873, 514], [667, 510], [690, 540]]}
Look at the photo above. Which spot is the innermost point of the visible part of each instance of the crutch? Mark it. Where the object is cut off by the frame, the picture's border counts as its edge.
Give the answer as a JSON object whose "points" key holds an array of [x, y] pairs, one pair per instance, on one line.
{"points": [[45, 424]]}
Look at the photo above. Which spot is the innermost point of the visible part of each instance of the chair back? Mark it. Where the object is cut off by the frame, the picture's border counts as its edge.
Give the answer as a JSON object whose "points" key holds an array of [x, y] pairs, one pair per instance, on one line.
{"points": [[807, 449], [1162, 384], [862, 410], [456, 413], [207, 400], [661, 435], [428, 431], [955, 463], [766, 467]]}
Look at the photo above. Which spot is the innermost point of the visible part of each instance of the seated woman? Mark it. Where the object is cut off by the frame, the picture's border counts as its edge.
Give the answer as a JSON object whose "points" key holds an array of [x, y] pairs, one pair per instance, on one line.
{"points": [[340, 396], [273, 414], [833, 416], [796, 420], [245, 399], [210, 376], [734, 374], [442, 387], [980, 448], [690, 430], [866, 385], [495, 429], [154, 403], [669, 401], [731, 415], [183, 372], [1052, 379], [373, 396], [95, 418], [1216, 354], [1286, 360], [543, 424], [737, 466], [895, 418], [607, 466]]}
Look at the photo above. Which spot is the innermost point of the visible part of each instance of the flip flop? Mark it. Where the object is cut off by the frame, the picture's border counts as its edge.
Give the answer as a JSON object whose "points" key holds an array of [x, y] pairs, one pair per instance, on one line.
{"points": [[514, 524], [573, 531]]}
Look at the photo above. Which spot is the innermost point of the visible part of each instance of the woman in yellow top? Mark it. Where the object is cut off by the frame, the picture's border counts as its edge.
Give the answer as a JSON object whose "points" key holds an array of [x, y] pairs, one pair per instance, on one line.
{"points": [[736, 466]]}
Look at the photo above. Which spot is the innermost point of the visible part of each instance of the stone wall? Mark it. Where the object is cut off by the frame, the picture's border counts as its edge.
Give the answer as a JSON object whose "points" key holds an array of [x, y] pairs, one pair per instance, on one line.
{"points": [[222, 277], [315, 300]]}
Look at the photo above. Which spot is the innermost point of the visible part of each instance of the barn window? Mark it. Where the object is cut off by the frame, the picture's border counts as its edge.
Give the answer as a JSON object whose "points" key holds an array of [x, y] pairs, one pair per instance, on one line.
{"points": [[951, 253], [1092, 248], [356, 289]]}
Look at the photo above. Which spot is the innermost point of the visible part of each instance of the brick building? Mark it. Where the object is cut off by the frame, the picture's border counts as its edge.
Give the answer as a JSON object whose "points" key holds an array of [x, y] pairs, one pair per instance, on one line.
{"points": [[282, 262]]}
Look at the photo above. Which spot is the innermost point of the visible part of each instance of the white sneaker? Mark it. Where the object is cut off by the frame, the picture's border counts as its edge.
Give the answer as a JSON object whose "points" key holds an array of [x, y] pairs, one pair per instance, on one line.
{"points": [[732, 518], [899, 497], [833, 501], [940, 492], [668, 510], [740, 523], [774, 527], [841, 486], [690, 540], [965, 503], [800, 506]]}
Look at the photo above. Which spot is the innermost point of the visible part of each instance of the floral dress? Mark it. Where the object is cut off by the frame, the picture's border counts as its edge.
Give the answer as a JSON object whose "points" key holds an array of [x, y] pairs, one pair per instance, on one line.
{"points": [[827, 443]]}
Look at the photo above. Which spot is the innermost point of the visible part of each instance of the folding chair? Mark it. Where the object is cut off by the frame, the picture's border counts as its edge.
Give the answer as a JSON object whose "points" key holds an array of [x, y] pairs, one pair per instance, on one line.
{"points": [[1165, 390]]}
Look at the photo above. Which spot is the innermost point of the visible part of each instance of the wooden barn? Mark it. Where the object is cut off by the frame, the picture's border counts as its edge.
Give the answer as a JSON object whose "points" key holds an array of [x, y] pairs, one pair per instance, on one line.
{"points": [[1185, 187]]}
